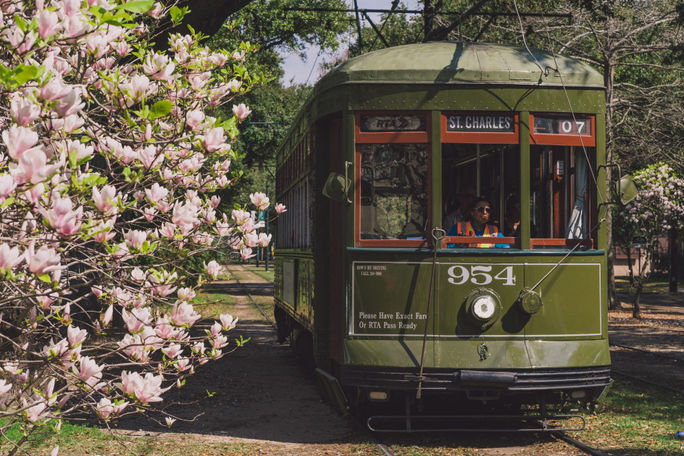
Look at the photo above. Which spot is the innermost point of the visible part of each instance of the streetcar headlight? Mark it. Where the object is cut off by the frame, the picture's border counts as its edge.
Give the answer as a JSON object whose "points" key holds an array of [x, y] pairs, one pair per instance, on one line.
{"points": [[530, 301], [484, 307]]}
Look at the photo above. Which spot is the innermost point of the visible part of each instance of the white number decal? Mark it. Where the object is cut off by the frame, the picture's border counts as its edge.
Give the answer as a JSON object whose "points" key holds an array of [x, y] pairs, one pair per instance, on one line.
{"points": [[481, 271], [566, 126], [506, 275], [479, 275], [580, 126], [458, 279]]}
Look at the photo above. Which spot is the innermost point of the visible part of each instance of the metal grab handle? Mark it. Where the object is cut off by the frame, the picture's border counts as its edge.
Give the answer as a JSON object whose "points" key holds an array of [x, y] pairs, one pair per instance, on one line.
{"points": [[438, 234], [346, 180]]}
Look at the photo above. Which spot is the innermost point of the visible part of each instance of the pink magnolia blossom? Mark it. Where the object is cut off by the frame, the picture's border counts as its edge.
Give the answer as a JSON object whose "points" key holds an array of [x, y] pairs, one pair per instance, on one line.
{"points": [[89, 371], [145, 389], [18, 140], [156, 10], [76, 335], [241, 217], [7, 186], [105, 199], [56, 350], [135, 238], [241, 111], [10, 257], [158, 67], [104, 408], [156, 193], [214, 139], [260, 200], [54, 89], [251, 239], [69, 104], [168, 230], [103, 231], [184, 314], [185, 217], [172, 350], [212, 268], [4, 387], [264, 239], [150, 157], [107, 316], [227, 321], [42, 261], [186, 294], [34, 194], [280, 208], [23, 110], [219, 341], [136, 319], [63, 218], [34, 412], [194, 118], [48, 23]]}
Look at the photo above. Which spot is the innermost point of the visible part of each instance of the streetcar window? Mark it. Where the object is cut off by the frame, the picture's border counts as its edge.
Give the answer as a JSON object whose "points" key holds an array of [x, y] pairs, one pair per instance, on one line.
{"points": [[394, 200], [489, 171], [562, 199]]}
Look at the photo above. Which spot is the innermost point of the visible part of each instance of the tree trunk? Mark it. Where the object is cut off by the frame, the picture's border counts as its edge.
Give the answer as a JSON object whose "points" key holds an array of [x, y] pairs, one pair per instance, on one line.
{"points": [[674, 261], [636, 312]]}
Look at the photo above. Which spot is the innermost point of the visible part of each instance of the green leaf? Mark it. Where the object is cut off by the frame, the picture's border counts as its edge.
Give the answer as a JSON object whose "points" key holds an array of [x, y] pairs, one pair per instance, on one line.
{"points": [[177, 14], [160, 109], [137, 6], [45, 278], [21, 23], [22, 74]]}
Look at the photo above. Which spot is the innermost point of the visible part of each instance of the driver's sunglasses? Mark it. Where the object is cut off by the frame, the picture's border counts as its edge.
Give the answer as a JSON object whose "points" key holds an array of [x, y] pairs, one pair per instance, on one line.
{"points": [[483, 209]]}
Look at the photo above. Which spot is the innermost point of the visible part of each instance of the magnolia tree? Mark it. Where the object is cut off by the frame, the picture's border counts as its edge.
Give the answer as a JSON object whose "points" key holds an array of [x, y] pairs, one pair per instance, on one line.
{"points": [[657, 209], [108, 159]]}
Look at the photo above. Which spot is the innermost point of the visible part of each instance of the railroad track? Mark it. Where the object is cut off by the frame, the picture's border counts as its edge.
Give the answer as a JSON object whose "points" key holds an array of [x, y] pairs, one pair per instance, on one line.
{"points": [[641, 378], [385, 448]]}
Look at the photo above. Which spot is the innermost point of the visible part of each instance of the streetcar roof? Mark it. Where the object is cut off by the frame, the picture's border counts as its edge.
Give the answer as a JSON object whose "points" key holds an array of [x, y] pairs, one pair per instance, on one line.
{"points": [[462, 63]]}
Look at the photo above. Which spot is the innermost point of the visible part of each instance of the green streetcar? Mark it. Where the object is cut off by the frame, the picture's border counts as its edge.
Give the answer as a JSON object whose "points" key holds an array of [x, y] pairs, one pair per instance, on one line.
{"points": [[398, 307]]}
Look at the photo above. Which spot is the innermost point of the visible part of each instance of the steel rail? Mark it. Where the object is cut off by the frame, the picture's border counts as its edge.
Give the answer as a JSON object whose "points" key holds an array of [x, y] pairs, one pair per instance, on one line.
{"points": [[244, 288], [577, 444], [650, 352]]}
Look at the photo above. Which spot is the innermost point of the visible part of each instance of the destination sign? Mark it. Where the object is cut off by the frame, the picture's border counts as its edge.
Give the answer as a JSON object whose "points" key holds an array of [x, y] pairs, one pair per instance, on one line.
{"points": [[470, 122], [553, 125], [395, 122]]}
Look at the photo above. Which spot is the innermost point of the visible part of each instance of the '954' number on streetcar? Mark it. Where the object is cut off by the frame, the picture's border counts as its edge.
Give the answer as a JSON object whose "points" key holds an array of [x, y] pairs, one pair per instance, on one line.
{"points": [[480, 275]]}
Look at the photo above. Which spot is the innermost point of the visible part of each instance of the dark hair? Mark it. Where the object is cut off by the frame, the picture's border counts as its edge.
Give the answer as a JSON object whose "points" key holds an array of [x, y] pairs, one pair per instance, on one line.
{"points": [[480, 199]]}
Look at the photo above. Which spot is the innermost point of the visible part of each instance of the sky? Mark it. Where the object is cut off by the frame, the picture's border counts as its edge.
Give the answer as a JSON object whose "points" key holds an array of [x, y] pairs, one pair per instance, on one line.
{"points": [[307, 70]]}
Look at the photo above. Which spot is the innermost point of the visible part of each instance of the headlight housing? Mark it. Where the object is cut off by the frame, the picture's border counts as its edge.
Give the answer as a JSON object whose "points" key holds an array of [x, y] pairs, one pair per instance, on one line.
{"points": [[483, 306]]}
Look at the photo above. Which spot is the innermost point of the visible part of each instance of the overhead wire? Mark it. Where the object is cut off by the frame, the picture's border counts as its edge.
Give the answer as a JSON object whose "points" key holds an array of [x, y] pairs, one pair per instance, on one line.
{"points": [[545, 72], [574, 118]]}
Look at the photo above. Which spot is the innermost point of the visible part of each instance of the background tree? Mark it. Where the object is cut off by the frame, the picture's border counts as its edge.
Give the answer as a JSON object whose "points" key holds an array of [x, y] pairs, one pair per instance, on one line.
{"points": [[273, 29], [657, 209]]}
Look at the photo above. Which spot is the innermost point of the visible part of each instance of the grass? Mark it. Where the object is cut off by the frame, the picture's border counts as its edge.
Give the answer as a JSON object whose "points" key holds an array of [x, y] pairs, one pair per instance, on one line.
{"points": [[211, 305], [654, 285], [261, 271], [637, 419]]}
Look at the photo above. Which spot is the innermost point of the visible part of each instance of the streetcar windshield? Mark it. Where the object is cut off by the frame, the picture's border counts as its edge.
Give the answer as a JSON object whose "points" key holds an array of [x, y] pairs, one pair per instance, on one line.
{"points": [[488, 172], [394, 203], [562, 198]]}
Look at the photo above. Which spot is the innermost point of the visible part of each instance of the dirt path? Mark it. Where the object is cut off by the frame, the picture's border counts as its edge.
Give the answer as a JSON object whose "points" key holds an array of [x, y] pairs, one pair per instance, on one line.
{"points": [[259, 392]]}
